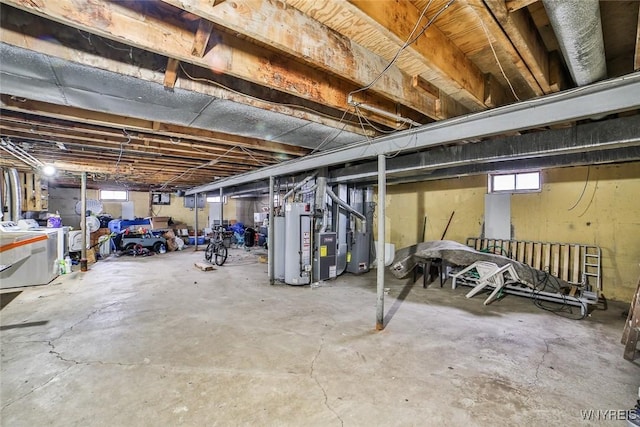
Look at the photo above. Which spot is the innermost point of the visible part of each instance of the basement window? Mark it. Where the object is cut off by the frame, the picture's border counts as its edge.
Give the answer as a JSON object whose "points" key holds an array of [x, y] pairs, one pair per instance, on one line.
{"points": [[216, 199], [515, 182], [114, 195]]}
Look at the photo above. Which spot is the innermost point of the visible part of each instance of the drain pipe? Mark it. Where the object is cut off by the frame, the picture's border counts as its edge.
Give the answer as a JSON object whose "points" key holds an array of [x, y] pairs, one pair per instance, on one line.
{"points": [[578, 28]]}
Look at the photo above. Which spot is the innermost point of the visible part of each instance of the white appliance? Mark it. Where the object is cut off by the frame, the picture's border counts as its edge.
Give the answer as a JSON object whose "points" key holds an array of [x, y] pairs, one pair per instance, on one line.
{"points": [[75, 240], [61, 235], [27, 257]]}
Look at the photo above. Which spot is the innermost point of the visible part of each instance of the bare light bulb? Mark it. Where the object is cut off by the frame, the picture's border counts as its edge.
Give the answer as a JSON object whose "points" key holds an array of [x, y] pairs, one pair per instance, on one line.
{"points": [[49, 170]]}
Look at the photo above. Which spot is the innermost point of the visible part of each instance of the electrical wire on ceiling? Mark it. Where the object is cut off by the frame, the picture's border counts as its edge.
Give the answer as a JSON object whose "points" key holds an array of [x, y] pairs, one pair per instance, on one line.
{"points": [[495, 55], [211, 162], [408, 42], [103, 40], [282, 104], [122, 144], [329, 138]]}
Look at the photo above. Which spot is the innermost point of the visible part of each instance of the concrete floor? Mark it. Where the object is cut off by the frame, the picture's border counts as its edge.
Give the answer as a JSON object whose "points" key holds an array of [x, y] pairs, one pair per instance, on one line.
{"points": [[156, 342]]}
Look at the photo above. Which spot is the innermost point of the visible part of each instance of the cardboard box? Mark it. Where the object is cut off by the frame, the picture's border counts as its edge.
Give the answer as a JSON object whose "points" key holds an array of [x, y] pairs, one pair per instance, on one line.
{"points": [[159, 222]]}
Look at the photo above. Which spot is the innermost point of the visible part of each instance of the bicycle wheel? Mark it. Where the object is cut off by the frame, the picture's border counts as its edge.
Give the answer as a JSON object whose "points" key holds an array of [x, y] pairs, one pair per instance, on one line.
{"points": [[208, 253], [221, 254]]}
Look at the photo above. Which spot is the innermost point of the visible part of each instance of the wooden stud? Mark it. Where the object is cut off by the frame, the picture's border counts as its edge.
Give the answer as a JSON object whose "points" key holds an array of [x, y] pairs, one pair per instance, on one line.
{"points": [[171, 73], [201, 38]]}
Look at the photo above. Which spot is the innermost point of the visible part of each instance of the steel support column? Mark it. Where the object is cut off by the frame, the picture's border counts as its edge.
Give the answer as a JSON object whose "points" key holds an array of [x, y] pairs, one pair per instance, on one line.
{"points": [[195, 205], [270, 234], [221, 207], [83, 215], [382, 190]]}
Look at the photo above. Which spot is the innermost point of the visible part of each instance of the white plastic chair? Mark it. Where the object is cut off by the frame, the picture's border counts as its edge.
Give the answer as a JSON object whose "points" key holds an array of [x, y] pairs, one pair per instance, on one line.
{"points": [[489, 274]]}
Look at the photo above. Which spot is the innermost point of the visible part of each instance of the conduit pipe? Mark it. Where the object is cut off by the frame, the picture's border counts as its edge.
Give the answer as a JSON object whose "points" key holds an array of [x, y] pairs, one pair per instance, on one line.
{"points": [[578, 28]]}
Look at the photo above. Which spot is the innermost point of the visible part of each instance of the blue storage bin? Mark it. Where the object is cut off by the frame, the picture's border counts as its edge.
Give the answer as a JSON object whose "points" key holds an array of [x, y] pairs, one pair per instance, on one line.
{"points": [[119, 225], [192, 240]]}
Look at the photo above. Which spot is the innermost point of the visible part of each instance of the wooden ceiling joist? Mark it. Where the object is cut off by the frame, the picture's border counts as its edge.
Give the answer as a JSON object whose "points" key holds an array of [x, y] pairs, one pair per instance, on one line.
{"points": [[88, 134], [130, 123], [457, 74], [271, 24], [25, 30], [230, 55], [523, 34]]}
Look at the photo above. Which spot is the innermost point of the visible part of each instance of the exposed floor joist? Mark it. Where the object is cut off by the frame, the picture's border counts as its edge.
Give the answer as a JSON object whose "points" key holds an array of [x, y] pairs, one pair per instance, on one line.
{"points": [[316, 44], [229, 54]]}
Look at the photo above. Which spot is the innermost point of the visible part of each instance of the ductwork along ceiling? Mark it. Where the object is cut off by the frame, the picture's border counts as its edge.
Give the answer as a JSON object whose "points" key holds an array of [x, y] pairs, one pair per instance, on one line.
{"points": [[174, 94]]}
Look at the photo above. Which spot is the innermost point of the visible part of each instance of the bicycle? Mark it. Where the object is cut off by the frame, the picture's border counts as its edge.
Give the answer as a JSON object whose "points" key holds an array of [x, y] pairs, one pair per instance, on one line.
{"points": [[216, 250]]}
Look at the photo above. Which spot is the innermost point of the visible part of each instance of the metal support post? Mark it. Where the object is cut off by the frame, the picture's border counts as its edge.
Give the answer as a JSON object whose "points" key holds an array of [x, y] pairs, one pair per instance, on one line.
{"points": [[271, 234], [83, 221], [221, 207], [382, 184], [195, 204]]}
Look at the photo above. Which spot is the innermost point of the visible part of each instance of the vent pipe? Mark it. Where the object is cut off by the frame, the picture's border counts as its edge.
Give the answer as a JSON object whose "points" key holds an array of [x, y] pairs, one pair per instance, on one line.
{"points": [[578, 29]]}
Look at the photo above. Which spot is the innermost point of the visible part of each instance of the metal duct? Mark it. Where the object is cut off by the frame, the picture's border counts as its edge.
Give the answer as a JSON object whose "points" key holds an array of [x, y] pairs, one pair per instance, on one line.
{"points": [[345, 206], [15, 193], [578, 29], [297, 187]]}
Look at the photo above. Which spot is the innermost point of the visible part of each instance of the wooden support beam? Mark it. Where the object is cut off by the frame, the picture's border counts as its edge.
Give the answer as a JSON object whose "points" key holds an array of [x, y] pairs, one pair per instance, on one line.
{"points": [[430, 89], [273, 25], [171, 73], [456, 73], [24, 30], [201, 39], [513, 5], [524, 36], [492, 97], [231, 55]]}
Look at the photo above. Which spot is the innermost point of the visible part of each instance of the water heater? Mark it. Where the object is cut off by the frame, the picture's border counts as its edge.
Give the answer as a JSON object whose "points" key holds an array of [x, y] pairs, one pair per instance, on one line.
{"points": [[297, 261]]}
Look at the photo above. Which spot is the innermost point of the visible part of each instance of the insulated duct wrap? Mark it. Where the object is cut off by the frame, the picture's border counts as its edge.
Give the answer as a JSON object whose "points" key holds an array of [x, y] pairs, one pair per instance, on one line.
{"points": [[578, 29]]}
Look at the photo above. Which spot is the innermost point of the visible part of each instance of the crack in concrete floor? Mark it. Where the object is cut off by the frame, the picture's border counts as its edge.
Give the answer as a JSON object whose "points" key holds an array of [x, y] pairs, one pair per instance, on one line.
{"points": [[315, 378]]}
